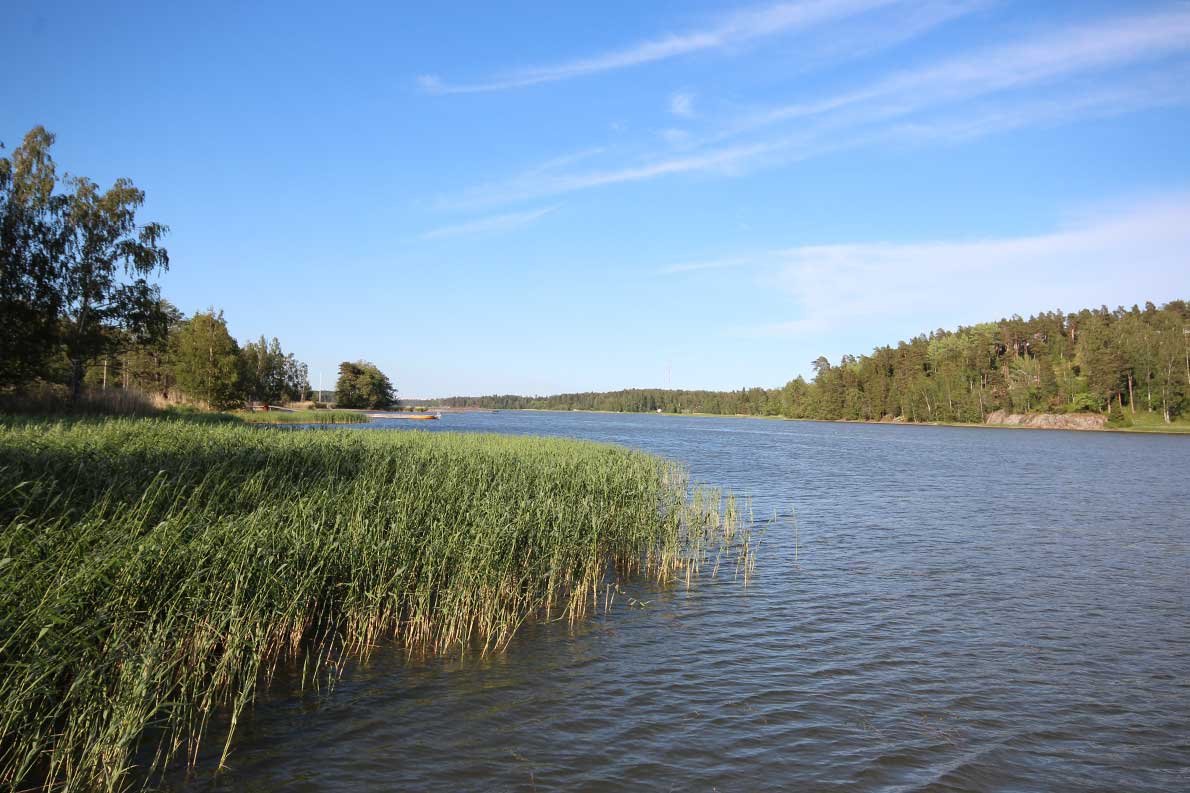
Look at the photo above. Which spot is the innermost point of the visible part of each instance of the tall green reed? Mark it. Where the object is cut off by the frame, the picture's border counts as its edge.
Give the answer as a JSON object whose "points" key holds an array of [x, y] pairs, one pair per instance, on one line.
{"points": [[154, 573]]}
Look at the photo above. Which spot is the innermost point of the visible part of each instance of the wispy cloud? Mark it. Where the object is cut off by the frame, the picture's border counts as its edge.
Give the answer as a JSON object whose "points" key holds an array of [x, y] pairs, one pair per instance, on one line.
{"points": [[871, 33], [709, 264], [570, 158], [674, 137], [681, 104], [731, 31], [1037, 61], [933, 101], [534, 183], [1168, 87], [943, 283], [487, 224]]}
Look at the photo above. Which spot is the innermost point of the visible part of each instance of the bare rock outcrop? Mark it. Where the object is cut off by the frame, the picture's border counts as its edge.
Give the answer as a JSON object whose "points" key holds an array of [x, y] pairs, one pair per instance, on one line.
{"points": [[1049, 421]]}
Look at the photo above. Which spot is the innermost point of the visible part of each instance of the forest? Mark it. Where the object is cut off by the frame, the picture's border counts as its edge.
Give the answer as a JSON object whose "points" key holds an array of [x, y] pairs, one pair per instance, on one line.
{"points": [[1095, 360]]}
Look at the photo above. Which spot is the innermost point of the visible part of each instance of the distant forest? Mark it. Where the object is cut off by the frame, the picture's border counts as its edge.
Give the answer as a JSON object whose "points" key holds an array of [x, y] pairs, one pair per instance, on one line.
{"points": [[1096, 360]]}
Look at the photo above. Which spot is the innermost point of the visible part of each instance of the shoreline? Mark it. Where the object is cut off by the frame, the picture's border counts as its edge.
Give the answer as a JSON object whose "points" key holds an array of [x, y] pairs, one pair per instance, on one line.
{"points": [[957, 424]]}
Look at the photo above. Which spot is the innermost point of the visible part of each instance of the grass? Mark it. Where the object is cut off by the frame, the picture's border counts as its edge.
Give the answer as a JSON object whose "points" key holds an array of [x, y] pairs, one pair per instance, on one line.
{"points": [[154, 574], [1144, 421], [303, 417]]}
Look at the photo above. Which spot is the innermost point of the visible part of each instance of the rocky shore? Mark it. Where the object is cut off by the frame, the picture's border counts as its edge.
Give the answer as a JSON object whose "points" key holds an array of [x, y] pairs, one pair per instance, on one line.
{"points": [[1049, 421]]}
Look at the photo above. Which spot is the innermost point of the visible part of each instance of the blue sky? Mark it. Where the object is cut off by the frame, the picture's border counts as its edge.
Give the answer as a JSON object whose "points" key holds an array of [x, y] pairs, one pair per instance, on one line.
{"points": [[542, 197]]}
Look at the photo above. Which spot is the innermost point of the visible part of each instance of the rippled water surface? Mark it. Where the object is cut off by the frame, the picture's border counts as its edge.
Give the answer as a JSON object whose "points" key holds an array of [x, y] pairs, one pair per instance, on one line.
{"points": [[970, 610]]}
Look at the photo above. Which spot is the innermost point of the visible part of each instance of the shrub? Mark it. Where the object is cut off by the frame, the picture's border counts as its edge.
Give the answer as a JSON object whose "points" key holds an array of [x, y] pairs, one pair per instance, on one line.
{"points": [[1084, 403], [1117, 417]]}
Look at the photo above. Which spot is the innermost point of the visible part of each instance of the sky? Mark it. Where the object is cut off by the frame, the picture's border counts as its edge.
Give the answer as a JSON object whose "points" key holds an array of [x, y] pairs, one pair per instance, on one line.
{"points": [[542, 197]]}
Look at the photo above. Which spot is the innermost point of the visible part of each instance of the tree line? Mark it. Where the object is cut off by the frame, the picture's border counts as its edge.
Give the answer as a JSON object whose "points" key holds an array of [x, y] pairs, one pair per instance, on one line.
{"points": [[78, 309], [197, 359], [1116, 361]]}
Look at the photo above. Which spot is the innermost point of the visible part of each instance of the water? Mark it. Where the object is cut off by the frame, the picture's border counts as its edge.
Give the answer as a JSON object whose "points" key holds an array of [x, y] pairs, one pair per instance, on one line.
{"points": [[969, 610]]}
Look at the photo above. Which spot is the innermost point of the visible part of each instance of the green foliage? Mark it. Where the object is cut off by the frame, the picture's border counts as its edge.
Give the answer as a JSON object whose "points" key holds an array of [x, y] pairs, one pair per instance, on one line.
{"points": [[1118, 417], [749, 401], [1084, 403], [363, 385], [74, 266], [1050, 362], [104, 271], [74, 290], [271, 376], [147, 365], [31, 238], [1146, 421], [1047, 381], [153, 572], [206, 360]]}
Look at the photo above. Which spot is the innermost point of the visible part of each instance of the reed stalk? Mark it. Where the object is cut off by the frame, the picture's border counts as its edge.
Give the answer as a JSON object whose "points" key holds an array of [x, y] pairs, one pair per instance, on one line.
{"points": [[156, 573]]}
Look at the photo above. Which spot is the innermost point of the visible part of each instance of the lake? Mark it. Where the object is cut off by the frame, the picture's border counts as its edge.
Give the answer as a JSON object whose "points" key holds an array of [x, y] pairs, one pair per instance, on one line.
{"points": [[969, 609]]}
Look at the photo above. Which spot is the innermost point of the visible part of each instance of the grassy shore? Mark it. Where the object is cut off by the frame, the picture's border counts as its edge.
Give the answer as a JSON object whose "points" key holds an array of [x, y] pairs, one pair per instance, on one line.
{"points": [[1144, 421], [302, 417], [153, 573]]}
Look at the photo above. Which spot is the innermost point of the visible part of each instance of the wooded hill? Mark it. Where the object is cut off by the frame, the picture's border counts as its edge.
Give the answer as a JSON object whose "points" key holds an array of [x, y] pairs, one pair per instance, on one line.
{"points": [[1132, 359]]}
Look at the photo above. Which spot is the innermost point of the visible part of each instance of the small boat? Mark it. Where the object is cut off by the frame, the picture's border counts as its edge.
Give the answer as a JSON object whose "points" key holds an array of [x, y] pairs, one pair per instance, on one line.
{"points": [[409, 416]]}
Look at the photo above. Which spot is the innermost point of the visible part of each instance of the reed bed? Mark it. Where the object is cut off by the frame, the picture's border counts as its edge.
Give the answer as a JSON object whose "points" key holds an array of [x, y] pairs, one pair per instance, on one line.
{"points": [[304, 417], [154, 574]]}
